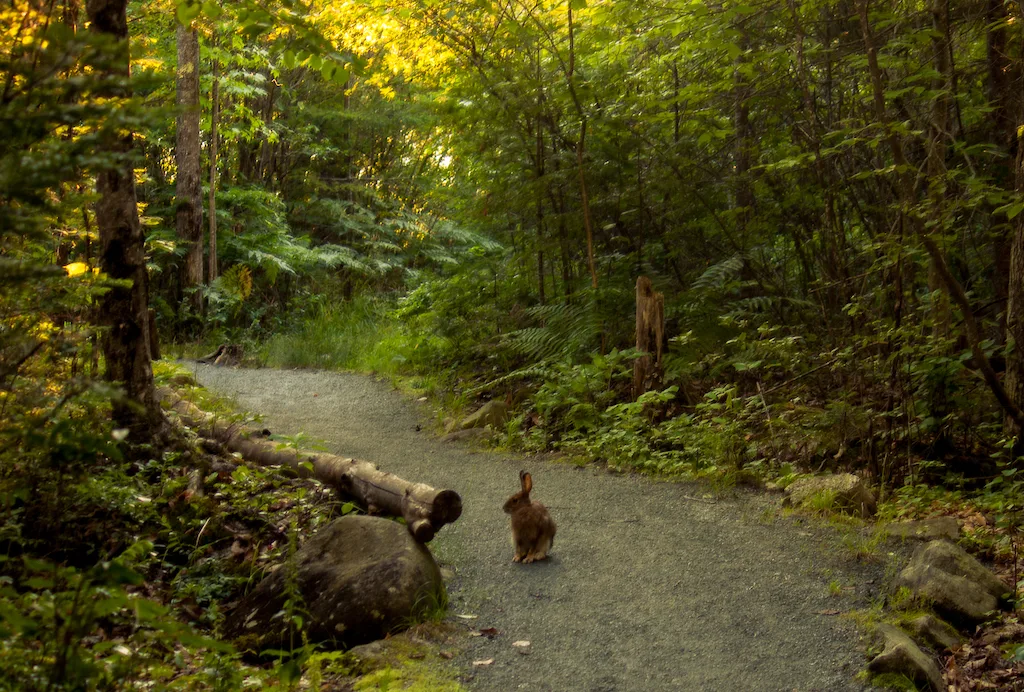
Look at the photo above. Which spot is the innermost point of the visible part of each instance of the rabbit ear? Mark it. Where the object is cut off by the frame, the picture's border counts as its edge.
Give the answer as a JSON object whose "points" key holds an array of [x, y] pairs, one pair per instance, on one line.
{"points": [[527, 481]]}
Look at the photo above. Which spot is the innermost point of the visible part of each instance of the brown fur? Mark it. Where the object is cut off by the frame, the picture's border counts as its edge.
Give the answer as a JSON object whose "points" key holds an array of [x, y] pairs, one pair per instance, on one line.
{"points": [[533, 529]]}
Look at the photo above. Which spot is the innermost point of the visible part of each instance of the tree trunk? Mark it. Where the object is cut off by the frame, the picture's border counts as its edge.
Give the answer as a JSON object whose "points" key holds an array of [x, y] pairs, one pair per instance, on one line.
{"points": [[936, 159], [424, 508], [581, 147], [1015, 315], [539, 192], [188, 208], [744, 193], [214, 118], [123, 310], [650, 334], [1003, 135]]}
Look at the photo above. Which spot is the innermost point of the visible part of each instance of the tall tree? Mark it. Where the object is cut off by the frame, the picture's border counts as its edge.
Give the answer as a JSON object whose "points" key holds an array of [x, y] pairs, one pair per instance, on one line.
{"points": [[1015, 316], [214, 122], [124, 309], [189, 206]]}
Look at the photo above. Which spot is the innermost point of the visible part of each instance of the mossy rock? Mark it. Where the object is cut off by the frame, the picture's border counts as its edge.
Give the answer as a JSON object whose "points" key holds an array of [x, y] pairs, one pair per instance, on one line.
{"points": [[842, 492]]}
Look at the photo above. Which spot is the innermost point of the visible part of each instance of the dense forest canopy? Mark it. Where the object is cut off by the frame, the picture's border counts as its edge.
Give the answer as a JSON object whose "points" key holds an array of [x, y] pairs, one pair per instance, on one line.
{"points": [[828, 195]]}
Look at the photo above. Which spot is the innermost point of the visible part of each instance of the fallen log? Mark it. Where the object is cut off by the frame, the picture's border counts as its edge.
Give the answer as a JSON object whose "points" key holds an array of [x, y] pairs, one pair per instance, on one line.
{"points": [[425, 509], [226, 354]]}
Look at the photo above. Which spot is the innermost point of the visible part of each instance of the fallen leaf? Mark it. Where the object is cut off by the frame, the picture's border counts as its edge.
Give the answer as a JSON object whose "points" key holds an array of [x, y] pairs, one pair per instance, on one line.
{"points": [[521, 643], [486, 662], [446, 655], [467, 617], [827, 612], [490, 632]]}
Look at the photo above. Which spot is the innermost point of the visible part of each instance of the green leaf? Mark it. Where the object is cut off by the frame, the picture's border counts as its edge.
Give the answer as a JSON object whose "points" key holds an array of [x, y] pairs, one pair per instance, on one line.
{"points": [[341, 76], [117, 573], [212, 9], [1012, 210], [288, 59], [35, 565], [577, 4], [290, 672], [327, 70], [193, 639], [187, 12]]}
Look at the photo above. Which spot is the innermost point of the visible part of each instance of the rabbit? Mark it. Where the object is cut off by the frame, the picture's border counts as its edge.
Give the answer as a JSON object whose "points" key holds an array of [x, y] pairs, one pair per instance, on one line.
{"points": [[533, 529]]}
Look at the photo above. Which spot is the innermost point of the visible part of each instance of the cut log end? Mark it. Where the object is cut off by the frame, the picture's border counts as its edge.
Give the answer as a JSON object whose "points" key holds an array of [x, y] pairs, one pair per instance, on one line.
{"points": [[446, 507], [422, 530]]}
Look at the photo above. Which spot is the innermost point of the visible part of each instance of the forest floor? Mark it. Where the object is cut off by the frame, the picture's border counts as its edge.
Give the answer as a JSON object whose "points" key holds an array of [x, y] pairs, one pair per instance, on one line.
{"points": [[651, 585]]}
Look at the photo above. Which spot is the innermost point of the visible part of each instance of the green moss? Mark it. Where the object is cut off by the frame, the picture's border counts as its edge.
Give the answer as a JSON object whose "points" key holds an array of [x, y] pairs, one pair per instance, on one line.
{"points": [[821, 502], [413, 676], [411, 661], [893, 681]]}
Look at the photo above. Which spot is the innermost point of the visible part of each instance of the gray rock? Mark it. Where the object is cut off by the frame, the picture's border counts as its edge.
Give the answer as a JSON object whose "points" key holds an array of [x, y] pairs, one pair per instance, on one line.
{"points": [[902, 656], [926, 529], [848, 492], [958, 586], [953, 559], [936, 633], [370, 656], [494, 413], [478, 435], [360, 578], [957, 599]]}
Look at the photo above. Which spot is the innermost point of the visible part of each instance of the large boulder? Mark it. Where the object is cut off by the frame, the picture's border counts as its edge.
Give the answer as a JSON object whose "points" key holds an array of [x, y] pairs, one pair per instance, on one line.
{"points": [[359, 579], [902, 656], [959, 587], [845, 492]]}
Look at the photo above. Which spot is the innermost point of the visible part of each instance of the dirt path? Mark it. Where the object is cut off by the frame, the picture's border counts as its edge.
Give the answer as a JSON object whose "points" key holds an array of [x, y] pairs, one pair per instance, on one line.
{"points": [[648, 588]]}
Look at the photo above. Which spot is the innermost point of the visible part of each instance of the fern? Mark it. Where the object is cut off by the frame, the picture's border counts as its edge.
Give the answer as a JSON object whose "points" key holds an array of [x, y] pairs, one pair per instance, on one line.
{"points": [[565, 330], [536, 371], [718, 275], [461, 237]]}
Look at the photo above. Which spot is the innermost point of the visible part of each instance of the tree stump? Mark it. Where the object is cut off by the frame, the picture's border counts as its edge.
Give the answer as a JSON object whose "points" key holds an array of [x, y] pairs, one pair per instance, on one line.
{"points": [[650, 335]]}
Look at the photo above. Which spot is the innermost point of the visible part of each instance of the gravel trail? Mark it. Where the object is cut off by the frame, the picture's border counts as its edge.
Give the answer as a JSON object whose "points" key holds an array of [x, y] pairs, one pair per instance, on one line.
{"points": [[650, 585]]}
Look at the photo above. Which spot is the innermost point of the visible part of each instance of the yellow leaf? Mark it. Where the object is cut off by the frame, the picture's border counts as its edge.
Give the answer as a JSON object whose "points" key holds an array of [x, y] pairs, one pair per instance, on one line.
{"points": [[76, 268]]}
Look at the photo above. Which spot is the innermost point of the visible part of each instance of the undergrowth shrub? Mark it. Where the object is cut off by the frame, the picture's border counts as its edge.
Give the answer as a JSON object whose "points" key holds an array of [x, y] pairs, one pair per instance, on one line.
{"points": [[66, 628], [358, 334]]}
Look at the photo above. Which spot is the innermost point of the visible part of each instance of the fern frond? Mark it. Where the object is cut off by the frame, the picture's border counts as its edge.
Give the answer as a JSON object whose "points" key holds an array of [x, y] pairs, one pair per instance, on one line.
{"points": [[718, 275], [564, 331], [539, 371]]}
